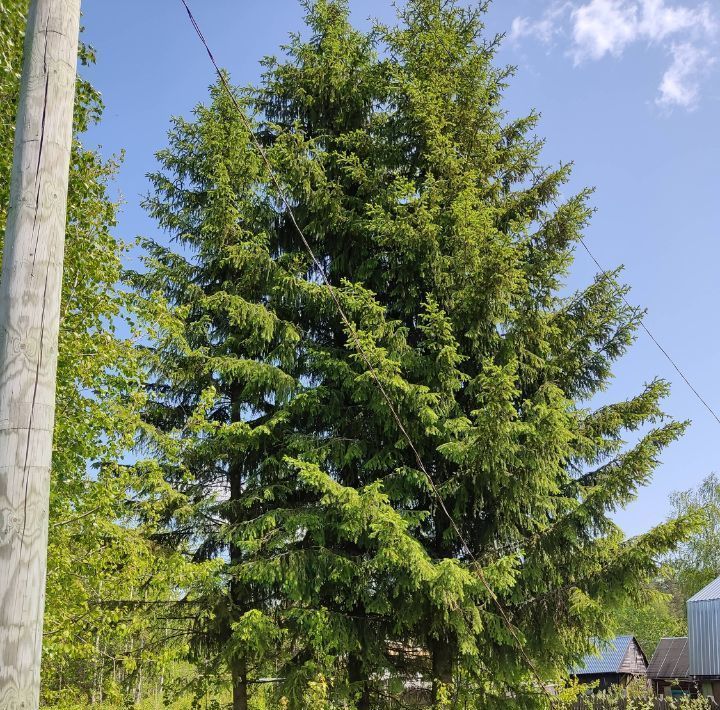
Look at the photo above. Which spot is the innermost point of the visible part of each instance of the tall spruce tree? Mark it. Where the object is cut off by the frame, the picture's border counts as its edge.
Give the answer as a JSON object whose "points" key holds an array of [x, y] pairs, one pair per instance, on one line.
{"points": [[446, 241]]}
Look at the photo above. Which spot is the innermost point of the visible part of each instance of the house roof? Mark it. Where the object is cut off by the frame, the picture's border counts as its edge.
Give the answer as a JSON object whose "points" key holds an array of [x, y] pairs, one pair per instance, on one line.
{"points": [[671, 659], [712, 591], [609, 657]]}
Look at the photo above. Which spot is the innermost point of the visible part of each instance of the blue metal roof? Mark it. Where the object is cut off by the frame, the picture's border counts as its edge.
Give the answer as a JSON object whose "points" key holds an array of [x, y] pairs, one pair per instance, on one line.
{"points": [[611, 655], [712, 591]]}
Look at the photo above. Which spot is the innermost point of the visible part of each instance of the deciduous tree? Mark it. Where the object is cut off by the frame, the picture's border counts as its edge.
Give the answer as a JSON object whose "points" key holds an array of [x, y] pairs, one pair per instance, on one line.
{"points": [[101, 565]]}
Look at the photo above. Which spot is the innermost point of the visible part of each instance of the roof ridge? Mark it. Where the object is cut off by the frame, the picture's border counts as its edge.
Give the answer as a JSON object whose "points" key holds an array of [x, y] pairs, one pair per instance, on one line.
{"points": [[709, 592]]}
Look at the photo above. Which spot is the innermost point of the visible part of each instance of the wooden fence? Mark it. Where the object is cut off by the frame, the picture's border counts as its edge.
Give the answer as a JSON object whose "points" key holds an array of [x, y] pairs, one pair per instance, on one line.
{"points": [[658, 703]]}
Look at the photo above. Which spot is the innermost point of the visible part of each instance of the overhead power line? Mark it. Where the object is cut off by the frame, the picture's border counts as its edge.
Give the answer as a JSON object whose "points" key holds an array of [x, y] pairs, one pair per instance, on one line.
{"points": [[607, 275], [356, 341]]}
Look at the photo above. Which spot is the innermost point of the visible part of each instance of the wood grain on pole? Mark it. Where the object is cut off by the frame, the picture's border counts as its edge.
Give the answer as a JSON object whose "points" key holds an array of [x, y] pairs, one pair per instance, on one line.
{"points": [[30, 290]]}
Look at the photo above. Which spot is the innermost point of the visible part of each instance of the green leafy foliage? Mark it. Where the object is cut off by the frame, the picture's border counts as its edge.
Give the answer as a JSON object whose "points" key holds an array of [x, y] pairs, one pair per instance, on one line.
{"points": [[447, 242], [696, 563], [102, 566], [651, 617], [661, 610], [275, 528], [634, 697]]}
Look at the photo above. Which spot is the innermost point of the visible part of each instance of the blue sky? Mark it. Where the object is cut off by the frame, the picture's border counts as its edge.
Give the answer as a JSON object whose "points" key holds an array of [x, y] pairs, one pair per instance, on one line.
{"points": [[628, 89]]}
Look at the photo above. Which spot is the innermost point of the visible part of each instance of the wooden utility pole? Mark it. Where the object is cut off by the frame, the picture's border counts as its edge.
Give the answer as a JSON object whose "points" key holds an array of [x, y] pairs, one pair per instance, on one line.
{"points": [[30, 290]]}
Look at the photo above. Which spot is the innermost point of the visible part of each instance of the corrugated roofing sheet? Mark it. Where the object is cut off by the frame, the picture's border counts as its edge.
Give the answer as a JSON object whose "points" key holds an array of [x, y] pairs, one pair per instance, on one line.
{"points": [[671, 659], [712, 591], [704, 633], [609, 660]]}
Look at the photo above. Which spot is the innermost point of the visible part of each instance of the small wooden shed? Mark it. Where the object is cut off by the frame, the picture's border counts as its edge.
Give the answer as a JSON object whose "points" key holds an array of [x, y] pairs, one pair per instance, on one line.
{"points": [[616, 662]]}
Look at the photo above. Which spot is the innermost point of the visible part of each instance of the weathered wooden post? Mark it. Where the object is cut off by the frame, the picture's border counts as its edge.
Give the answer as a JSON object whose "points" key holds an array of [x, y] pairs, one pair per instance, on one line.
{"points": [[30, 289]]}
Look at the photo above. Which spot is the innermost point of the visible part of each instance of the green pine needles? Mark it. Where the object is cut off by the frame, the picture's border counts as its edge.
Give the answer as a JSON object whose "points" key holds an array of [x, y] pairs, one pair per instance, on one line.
{"points": [[330, 569]]}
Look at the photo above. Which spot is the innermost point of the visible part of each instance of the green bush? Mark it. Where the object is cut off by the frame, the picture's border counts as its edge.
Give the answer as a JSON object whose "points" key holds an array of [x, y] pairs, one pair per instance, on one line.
{"points": [[635, 696]]}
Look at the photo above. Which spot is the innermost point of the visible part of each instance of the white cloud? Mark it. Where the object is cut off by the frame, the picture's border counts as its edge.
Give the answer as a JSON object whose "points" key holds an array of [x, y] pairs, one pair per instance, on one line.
{"points": [[603, 27], [525, 27], [600, 28], [680, 85], [544, 29], [658, 20]]}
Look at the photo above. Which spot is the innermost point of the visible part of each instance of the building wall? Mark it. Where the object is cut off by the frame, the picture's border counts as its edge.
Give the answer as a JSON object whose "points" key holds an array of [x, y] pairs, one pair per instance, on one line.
{"points": [[634, 662], [665, 686], [605, 680], [704, 637], [710, 689]]}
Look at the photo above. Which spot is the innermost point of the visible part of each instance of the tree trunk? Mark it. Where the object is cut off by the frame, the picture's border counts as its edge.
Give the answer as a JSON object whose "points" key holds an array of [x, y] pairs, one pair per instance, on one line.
{"points": [[161, 689], [442, 663], [240, 686], [237, 593], [30, 290], [357, 677], [96, 691], [139, 683]]}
